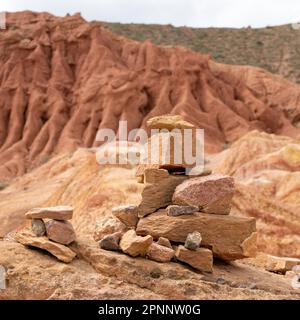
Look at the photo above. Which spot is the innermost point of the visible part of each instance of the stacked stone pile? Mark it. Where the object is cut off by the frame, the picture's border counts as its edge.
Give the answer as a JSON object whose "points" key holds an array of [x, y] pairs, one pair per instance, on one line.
{"points": [[180, 218], [50, 231]]}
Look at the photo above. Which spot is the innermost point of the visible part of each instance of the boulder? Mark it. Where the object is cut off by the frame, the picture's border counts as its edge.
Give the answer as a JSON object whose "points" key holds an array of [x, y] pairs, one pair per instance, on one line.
{"points": [[38, 227], [281, 264], [212, 193], [61, 252], [175, 210], [164, 242], [200, 259], [108, 226], [193, 240], [57, 213], [160, 253], [111, 242], [230, 237], [158, 190], [134, 245], [60, 231], [128, 214]]}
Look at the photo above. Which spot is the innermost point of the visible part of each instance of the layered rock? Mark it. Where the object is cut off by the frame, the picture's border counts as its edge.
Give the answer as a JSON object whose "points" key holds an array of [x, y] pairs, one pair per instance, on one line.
{"points": [[128, 214], [229, 237], [201, 259], [60, 231], [281, 264], [160, 253], [212, 193], [56, 213], [61, 252], [158, 190]]}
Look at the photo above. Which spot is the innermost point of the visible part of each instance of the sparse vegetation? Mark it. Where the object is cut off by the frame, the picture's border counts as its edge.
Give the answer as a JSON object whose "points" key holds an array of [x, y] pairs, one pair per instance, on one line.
{"points": [[272, 48]]}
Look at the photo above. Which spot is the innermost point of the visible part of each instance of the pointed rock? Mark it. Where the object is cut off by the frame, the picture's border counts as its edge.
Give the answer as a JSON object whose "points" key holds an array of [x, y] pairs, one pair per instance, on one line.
{"points": [[160, 253], [111, 242], [61, 252], [128, 214], [164, 242]]}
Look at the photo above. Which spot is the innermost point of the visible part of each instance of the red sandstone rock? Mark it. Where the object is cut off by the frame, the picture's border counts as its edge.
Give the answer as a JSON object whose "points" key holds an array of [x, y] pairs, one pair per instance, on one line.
{"points": [[212, 194], [135, 245], [57, 213], [64, 86], [160, 253]]}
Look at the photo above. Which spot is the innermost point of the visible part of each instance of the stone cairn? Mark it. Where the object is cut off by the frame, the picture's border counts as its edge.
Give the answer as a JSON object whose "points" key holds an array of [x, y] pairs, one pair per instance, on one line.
{"points": [[50, 231], [181, 218]]}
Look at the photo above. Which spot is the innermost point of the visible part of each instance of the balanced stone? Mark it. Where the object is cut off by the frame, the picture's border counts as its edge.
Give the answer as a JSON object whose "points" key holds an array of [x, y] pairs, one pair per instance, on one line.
{"points": [[38, 227], [135, 245], [193, 240], [57, 213], [60, 231], [175, 210]]}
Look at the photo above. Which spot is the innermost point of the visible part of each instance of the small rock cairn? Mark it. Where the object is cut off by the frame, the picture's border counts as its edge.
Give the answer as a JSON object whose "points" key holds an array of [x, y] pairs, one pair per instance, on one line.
{"points": [[181, 218], [50, 231]]}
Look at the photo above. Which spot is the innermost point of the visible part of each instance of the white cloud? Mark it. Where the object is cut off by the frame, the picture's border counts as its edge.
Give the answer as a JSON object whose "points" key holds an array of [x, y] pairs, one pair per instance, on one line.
{"points": [[195, 13]]}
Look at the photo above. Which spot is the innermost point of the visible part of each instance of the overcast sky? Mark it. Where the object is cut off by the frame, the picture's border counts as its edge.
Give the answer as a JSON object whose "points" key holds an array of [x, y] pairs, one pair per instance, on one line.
{"points": [[195, 13]]}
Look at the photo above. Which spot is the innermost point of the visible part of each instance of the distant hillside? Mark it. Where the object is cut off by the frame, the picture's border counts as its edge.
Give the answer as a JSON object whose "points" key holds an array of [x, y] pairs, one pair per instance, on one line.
{"points": [[276, 49]]}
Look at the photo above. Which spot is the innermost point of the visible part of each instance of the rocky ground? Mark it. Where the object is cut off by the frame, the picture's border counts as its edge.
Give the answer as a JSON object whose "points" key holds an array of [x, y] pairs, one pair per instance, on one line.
{"points": [[77, 180]]}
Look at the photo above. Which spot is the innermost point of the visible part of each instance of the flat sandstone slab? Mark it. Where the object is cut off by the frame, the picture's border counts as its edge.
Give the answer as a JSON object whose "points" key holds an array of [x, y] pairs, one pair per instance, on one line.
{"points": [[61, 252], [229, 237], [56, 213]]}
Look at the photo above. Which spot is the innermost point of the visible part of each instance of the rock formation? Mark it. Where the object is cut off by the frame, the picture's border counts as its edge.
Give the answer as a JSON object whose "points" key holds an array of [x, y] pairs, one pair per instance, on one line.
{"points": [[59, 233], [62, 79]]}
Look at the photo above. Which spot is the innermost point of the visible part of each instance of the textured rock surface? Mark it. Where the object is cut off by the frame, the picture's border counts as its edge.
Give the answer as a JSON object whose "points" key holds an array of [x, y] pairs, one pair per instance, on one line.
{"points": [[60, 231], [108, 226], [55, 76], [160, 253], [229, 237], [57, 213], [128, 214], [200, 259], [135, 245], [164, 242], [281, 264], [175, 210], [267, 179], [61, 252], [158, 190], [212, 194], [111, 242], [169, 122], [193, 241], [38, 227]]}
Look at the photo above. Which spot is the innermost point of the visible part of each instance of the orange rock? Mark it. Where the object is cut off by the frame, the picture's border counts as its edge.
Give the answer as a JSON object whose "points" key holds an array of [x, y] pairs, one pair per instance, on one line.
{"points": [[160, 253], [57, 213], [60, 251], [230, 237], [200, 259]]}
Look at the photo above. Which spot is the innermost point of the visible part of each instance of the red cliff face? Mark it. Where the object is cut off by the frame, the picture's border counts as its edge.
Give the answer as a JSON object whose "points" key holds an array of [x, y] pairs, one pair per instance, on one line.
{"points": [[62, 79]]}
